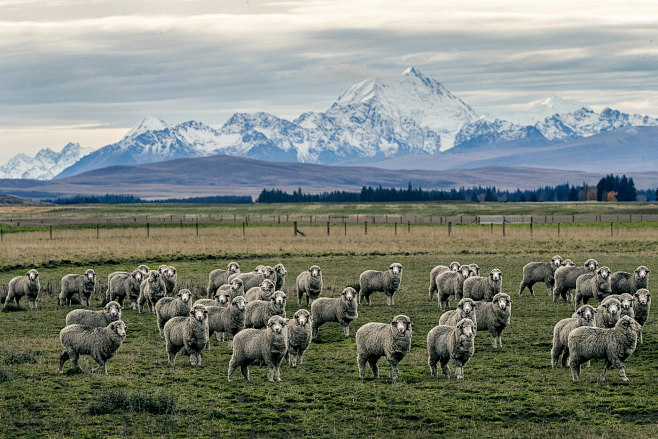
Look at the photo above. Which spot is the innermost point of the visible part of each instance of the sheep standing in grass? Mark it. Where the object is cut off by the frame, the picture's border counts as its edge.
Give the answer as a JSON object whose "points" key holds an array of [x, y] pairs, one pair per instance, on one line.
{"points": [[390, 340], [607, 314], [219, 277], [343, 309], [221, 299], [267, 346], [494, 316], [82, 284], [641, 307], [614, 345], [151, 290], [386, 281], [483, 288], [101, 343], [170, 277], [535, 272], [299, 336], [623, 282], [234, 288], [122, 285], [592, 284], [111, 312], [169, 307], [309, 282], [27, 285], [263, 292], [465, 310], [258, 312], [434, 275], [189, 332], [451, 283], [565, 278], [228, 320], [280, 276], [584, 316], [254, 279], [475, 270], [451, 343]]}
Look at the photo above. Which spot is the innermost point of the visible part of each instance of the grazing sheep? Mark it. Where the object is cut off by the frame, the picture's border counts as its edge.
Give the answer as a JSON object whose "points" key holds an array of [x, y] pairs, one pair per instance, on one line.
{"points": [[101, 343], [494, 316], [475, 270], [263, 292], [627, 304], [122, 285], [386, 281], [614, 345], [534, 272], [82, 284], [267, 346], [222, 299], [343, 309], [641, 307], [299, 336], [565, 278], [584, 316], [234, 289], [219, 277], [170, 277], [169, 307], [483, 288], [623, 282], [189, 332], [111, 312], [309, 282], [258, 312], [465, 310], [228, 320], [607, 314], [451, 343], [254, 279], [436, 271], [592, 284], [390, 340], [151, 289], [451, 283], [280, 276], [27, 285]]}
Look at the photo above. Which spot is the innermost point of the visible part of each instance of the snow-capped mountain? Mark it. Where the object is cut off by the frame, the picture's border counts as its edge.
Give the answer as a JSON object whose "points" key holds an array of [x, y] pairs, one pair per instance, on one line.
{"points": [[46, 163], [538, 110]]}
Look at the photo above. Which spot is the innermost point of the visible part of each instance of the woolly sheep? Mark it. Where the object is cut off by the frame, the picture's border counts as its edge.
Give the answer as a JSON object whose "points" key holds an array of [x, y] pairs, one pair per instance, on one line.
{"points": [[280, 276], [343, 309], [163, 268], [584, 316], [450, 283], [614, 345], [234, 288], [451, 343], [465, 310], [627, 304], [592, 284], [254, 279], [122, 285], [535, 272], [483, 288], [607, 314], [169, 307], [260, 269], [82, 284], [219, 277], [309, 282], [386, 281], [390, 340], [111, 312], [641, 307], [436, 271], [27, 285], [299, 336], [267, 346], [101, 343], [227, 321], [170, 277], [263, 292], [221, 299], [258, 312], [565, 278], [189, 332], [475, 270], [494, 316], [623, 282], [151, 290], [144, 269]]}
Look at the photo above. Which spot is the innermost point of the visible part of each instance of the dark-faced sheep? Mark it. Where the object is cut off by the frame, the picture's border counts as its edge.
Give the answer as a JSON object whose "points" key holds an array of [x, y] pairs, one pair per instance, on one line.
{"points": [[227, 321], [584, 316], [391, 340], [189, 332], [451, 283], [535, 272], [122, 285], [263, 292], [451, 343], [565, 278], [280, 276], [592, 284], [434, 275], [82, 284], [309, 282], [258, 312], [465, 310], [475, 269], [253, 278], [151, 290], [608, 313], [111, 312], [386, 281], [299, 336], [27, 285], [219, 277], [169, 307], [494, 316], [483, 288], [101, 343], [623, 282], [641, 307], [234, 288], [343, 310]]}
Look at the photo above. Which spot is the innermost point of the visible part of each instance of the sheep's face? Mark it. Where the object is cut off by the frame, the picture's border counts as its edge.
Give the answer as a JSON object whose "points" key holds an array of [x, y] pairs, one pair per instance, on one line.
{"points": [[119, 328], [199, 312], [315, 271], [629, 324], [503, 301], [643, 296], [113, 309], [154, 276], [280, 270], [466, 328], [556, 261], [162, 268], [260, 269], [496, 275], [612, 307], [144, 269], [269, 273], [604, 272], [474, 269], [276, 324], [222, 298], [279, 298], [349, 294], [591, 264], [91, 275], [467, 305], [465, 270], [302, 317], [626, 301], [586, 312], [568, 263], [32, 275], [401, 325], [454, 266], [236, 284], [642, 272], [171, 271], [137, 275], [233, 267], [185, 295], [267, 286], [239, 303], [396, 269]]}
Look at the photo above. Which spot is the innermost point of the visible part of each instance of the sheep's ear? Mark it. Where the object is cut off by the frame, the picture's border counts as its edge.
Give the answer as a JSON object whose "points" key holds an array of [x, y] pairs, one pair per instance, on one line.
{"points": [[636, 295], [598, 271], [113, 326], [192, 312], [626, 322], [460, 305], [460, 325], [179, 294]]}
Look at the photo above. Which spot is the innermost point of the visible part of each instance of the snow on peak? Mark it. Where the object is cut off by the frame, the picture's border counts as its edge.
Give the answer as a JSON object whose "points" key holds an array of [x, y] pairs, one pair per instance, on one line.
{"points": [[554, 104], [149, 123], [45, 164]]}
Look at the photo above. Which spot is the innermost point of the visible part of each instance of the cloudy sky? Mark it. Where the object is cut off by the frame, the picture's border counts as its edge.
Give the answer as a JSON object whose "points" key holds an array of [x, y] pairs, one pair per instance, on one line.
{"points": [[88, 70]]}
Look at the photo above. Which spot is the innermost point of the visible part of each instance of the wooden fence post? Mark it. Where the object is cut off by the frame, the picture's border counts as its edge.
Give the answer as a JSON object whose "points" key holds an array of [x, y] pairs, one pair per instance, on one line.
{"points": [[244, 232], [365, 224], [148, 231], [396, 229], [295, 227], [503, 226], [558, 229], [611, 232], [531, 224], [345, 224], [450, 227], [328, 230], [51, 232], [97, 231]]}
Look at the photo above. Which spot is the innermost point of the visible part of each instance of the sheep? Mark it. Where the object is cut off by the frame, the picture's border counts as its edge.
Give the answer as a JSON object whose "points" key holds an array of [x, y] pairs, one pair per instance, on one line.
{"points": [[267, 346], [343, 309], [101, 343], [391, 340], [263, 292], [568, 263], [151, 289], [584, 316], [386, 281], [280, 276], [219, 277], [607, 314], [451, 343], [234, 289], [614, 345], [465, 310], [483, 288], [189, 332], [309, 282], [170, 277], [83, 284], [592, 284], [565, 278], [169, 307], [163, 268], [144, 269], [494, 316], [534, 272], [221, 300], [436, 271], [641, 307], [258, 312], [122, 285], [27, 285], [254, 279], [228, 320], [111, 312], [622, 282], [299, 336], [475, 270], [259, 269], [450, 283], [627, 304]]}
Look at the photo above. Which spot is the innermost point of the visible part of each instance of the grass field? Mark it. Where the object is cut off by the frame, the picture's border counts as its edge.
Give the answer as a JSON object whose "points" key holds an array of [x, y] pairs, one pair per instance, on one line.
{"points": [[511, 393]]}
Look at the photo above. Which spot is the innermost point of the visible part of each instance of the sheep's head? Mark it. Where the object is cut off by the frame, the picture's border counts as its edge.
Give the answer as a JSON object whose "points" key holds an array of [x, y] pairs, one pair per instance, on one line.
{"points": [[185, 295], [603, 275], [137, 275], [199, 312], [315, 271], [280, 270], [279, 298], [91, 275], [612, 306], [267, 286], [260, 269], [348, 294], [496, 275], [556, 261], [269, 273], [568, 263], [239, 303], [144, 269], [276, 324], [591, 264], [302, 317], [222, 298], [643, 296], [626, 301], [119, 328], [162, 268], [401, 325], [396, 269], [32, 275], [113, 309], [642, 272], [586, 312], [474, 269], [154, 276], [466, 328], [503, 301], [236, 284], [233, 267], [629, 324], [171, 271], [454, 266], [465, 271], [467, 305]]}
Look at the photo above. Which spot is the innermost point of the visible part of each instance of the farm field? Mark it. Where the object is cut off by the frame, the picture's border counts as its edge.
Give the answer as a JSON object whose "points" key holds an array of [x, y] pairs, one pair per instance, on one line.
{"points": [[511, 392]]}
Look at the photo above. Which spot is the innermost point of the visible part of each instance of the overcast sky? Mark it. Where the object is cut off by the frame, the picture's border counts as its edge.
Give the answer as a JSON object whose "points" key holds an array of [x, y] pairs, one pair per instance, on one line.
{"points": [[87, 70]]}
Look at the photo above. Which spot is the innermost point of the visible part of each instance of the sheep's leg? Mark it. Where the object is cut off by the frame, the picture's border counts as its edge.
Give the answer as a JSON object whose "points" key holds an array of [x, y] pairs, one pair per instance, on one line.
{"points": [[62, 359], [301, 357], [277, 373], [618, 364], [532, 291], [394, 369], [74, 359], [521, 288], [270, 373], [640, 336], [373, 365], [555, 356], [575, 369], [432, 363], [231, 370], [393, 300], [431, 293], [605, 369], [314, 332], [459, 371], [33, 303], [500, 341], [361, 361], [245, 372], [346, 330], [565, 357], [445, 369]]}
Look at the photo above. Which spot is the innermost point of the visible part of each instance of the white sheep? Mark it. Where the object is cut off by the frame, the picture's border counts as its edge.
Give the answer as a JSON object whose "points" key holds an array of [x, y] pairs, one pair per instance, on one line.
{"points": [[465, 310], [343, 310], [227, 321], [451, 343], [607, 314], [151, 290], [388, 282], [483, 288], [263, 292], [594, 284], [299, 336], [122, 285], [255, 278], [111, 312], [641, 307], [280, 276], [169, 307], [390, 340], [436, 271], [82, 284], [189, 332], [494, 316], [309, 282], [258, 312], [535, 272], [101, 343], [451, 283], [566, 276], [27, 285], [623, 282], [584, 316], [219, 277]]}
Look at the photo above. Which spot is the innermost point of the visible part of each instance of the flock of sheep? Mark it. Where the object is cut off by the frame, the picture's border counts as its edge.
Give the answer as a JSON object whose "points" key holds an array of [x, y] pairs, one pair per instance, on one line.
{"points": [[249, 311]]}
